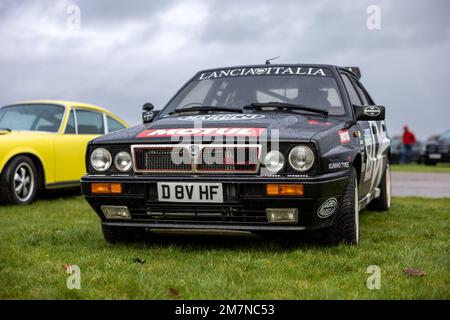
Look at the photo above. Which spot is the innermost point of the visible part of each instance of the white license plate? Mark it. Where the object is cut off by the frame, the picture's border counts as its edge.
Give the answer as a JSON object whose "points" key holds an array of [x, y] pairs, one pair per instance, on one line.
{"points": [[434, 156], [190, 192]]}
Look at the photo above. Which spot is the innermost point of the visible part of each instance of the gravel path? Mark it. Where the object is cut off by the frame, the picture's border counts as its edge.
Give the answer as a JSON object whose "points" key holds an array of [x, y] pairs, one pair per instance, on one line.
{"points": [[421, 184]]}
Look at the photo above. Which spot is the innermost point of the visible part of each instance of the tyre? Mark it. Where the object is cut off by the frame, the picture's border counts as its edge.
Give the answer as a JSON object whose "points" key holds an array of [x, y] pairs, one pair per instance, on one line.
{"points": [[19, 181], [346, 224], [429, 162], [383, 202], [120, 234]]}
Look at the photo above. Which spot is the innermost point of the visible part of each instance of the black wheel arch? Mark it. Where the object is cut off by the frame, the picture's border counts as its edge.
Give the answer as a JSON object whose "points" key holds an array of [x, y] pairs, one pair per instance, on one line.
{"points": [[357, 164]]}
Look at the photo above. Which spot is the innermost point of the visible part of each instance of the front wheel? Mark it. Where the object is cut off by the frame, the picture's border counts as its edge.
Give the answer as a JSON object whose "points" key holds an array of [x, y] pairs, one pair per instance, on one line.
{"points": [[346, 224], [19, 183]]}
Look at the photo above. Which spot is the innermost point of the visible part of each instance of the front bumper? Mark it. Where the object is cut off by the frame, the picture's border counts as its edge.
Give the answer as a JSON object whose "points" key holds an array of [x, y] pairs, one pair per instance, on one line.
{"points": [[243, 209], [437, 156]]}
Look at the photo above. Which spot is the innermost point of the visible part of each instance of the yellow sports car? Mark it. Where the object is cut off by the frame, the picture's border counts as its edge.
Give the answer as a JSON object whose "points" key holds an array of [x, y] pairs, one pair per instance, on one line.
{"points": [[43, 145]]}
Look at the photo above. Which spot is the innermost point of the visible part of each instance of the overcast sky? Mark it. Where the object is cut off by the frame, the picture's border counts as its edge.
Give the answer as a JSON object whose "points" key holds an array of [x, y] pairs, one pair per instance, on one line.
{"points": [[126, 53]]}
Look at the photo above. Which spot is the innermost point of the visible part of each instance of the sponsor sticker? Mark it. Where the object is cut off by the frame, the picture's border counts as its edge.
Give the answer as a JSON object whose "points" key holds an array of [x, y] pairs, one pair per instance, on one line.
{"points": [[201, 132], [223, 117], [327, 208], [338, 165], [372, 111], [263, 71], [324, 123], [344, 136]]}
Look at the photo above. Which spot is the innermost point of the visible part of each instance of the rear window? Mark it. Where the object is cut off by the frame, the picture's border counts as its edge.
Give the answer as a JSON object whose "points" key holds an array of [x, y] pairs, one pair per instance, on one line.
{"points": [[114, 125]]}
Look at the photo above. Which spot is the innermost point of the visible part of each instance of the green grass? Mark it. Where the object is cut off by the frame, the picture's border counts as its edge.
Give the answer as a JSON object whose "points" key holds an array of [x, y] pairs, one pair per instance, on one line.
{"points": [[438, 168], [37, 241]]}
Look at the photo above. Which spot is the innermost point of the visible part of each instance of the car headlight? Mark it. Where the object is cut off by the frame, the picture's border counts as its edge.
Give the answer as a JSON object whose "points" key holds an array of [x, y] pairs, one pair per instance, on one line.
{"points": [[301, 158], [123, 161], [274, 161], [101, 159]]}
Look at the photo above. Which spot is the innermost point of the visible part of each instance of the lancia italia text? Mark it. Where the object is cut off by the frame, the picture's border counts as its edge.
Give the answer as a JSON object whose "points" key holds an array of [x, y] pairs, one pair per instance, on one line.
{"points": [[260, 149]]}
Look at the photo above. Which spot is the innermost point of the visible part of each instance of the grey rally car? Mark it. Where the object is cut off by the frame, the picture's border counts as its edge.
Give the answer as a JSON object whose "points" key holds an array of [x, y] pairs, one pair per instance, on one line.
{"points": [[260, 148]]}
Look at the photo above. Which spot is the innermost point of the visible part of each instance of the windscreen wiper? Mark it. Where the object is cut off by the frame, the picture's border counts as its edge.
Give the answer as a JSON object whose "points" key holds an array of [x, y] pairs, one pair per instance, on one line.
{"points": [[200, 108], [285, 105]]}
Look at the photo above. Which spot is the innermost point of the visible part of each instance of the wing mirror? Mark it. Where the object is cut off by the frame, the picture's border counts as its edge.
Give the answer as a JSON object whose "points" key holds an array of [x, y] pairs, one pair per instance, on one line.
{"points": [[149, 114], [369, 113]]}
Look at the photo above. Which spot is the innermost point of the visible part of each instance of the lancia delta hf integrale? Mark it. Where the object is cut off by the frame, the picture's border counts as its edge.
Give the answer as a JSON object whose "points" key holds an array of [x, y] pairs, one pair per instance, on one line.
{"points": [[267, 148]]}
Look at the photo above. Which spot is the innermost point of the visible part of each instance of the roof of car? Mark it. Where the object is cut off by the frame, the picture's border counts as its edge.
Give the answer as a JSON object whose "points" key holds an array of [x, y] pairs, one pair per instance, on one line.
{"points": [[63, 103], [277, 65]]}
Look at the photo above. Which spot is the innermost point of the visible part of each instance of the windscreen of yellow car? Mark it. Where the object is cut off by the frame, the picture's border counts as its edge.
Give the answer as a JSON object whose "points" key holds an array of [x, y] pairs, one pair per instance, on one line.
{"points": [[31, 117]]}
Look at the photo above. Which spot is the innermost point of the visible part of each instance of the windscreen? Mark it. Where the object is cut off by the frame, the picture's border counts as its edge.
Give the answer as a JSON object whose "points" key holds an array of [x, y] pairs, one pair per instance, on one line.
{"points": [[235, 88], [31, 117]]}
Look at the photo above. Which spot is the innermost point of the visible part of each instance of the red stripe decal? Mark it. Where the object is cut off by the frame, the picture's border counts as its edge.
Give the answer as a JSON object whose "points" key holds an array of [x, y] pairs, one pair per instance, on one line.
{"points": [[202, 132]]}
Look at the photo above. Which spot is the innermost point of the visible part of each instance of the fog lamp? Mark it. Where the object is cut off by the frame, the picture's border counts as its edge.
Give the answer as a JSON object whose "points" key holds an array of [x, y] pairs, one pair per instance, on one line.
{"points": [[116, 212], [106, 188], [285, 215]]}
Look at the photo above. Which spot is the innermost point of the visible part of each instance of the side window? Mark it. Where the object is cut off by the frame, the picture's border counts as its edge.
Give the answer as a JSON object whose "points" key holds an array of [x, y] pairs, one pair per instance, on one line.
{"points": [[89, 122], [70, 127], [361, 94], [113, 125], [353, 95], [364, 93]]}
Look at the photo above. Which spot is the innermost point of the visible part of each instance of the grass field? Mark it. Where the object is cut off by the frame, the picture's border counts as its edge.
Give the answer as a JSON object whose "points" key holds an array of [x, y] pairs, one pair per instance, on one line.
{"points": [[37, 241], [438, 168]]}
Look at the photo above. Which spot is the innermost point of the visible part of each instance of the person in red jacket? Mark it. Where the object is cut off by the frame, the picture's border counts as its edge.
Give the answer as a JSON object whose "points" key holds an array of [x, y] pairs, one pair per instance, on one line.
{"points": [[408, 140]]}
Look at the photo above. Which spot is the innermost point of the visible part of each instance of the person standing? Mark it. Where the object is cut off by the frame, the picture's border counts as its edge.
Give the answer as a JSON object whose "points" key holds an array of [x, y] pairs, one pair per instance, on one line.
{"points": [[408, 140]]}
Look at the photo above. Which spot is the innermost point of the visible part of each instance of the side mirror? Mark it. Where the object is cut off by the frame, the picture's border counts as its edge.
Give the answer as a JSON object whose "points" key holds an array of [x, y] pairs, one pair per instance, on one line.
{"points": [[369, 113], [148, 106], [148, 115]]}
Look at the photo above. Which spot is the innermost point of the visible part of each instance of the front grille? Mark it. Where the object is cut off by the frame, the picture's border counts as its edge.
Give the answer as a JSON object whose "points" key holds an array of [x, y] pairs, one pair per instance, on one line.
{"points": [[443, 149], [196, 158], [161, 159], [236, 159], [200, 215]]}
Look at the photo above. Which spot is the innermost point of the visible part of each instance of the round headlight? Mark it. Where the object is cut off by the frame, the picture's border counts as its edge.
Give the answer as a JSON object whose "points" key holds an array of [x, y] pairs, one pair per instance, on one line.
{"points": [[101, 159], [301, 158], [274, 161], [123, 161]]}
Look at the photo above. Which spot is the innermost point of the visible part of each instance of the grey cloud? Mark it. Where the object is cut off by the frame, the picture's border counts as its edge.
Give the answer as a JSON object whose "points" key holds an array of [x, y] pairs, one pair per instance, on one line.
{"points": [[127, 53]]}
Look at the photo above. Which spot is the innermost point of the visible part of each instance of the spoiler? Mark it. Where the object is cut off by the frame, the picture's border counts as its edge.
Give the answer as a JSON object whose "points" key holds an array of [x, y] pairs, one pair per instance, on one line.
{"points": [[355, 71]]}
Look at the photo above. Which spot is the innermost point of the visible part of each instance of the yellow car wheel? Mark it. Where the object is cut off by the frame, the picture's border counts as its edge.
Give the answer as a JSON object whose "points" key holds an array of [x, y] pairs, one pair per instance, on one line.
{"points": [[19, 181]]}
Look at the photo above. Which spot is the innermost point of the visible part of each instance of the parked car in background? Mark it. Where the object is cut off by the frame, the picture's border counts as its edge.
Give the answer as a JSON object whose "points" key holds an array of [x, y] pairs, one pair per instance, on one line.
{"points": [[418, 151], [438, 149], [43, 145]]}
